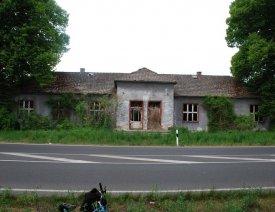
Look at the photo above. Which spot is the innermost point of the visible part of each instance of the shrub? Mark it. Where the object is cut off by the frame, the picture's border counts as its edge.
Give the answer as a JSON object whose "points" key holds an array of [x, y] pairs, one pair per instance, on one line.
{"points": [[221, 116], [7, 119], [65, 124], [219, 112], [244, 122], [32, 120]]}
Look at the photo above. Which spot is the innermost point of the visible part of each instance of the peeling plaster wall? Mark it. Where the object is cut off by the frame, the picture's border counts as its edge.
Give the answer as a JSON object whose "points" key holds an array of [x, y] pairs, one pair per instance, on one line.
{"points": [[202, 114], [139, 91], [40, 103]]}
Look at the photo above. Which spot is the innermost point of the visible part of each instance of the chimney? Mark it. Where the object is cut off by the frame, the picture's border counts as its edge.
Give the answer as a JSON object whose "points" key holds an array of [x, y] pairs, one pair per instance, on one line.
{"points": [[198, 74], [82, 70]]}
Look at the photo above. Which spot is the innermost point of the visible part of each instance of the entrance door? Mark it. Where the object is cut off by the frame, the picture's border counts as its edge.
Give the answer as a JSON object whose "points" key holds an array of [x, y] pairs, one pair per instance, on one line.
{"points": [[136, 115], [154, 115]]}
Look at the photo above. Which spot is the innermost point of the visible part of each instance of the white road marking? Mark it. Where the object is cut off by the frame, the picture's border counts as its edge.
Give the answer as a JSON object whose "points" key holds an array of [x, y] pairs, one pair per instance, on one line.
{"points": [[150, 161], [65, 160], [32, 161], [144, 159], [231, 158], [136, 191]]}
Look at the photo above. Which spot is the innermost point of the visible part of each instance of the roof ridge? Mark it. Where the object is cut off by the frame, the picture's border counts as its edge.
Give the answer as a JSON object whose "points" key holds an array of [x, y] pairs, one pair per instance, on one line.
{"points": [[144, 71]]}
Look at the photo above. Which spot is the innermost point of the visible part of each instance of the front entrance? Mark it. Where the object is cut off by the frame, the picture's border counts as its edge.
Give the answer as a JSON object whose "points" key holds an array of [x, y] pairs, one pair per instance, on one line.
{"points": [[136, 115], [154, 115]]}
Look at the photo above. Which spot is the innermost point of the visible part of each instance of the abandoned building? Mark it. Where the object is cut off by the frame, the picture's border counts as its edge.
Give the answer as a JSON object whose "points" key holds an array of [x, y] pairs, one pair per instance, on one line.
{"points": [[147, 100]]}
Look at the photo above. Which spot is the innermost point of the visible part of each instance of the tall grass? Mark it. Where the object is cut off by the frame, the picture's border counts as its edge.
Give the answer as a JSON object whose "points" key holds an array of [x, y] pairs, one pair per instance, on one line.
{"points": [[110, 137], [242, 201]]}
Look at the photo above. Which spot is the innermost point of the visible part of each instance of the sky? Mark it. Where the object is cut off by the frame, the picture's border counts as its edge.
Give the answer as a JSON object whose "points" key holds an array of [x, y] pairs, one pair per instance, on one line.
{"points": [[165, 36]]}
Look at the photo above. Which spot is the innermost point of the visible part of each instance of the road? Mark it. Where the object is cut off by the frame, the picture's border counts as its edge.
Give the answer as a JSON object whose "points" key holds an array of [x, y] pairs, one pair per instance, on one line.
{"points": [[57, 168]]}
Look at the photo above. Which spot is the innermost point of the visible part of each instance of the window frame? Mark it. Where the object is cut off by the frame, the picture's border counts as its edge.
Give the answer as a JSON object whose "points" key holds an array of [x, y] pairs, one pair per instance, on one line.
{"points": [[254, 112], [140, 109], [96, 109], [188, 112], [26, 105]]}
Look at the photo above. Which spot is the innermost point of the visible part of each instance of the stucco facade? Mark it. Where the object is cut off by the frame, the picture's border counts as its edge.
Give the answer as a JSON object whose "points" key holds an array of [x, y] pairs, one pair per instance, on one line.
{"points": [[198, 125], [40, 105], [147, 100], [145, 92]]}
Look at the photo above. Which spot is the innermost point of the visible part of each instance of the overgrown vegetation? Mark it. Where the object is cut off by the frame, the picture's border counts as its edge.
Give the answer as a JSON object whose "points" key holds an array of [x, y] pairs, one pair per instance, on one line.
{"points": [[101, 136], [245, 201], [251, 28], [222, 118], [67, 111]]}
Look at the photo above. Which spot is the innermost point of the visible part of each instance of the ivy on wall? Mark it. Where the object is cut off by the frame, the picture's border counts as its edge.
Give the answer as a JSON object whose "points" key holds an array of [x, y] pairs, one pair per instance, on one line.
{"points": [[221, 116], [63, 106]]}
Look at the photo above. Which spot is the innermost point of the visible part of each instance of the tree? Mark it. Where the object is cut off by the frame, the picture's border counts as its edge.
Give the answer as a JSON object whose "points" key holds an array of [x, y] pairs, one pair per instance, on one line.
{"points": [[33, 40], [251, 28]]}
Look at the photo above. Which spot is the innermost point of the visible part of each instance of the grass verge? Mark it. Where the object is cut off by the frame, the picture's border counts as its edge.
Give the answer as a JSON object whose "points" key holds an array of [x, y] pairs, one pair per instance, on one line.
{"points": [[248, 200], [110, 137]]}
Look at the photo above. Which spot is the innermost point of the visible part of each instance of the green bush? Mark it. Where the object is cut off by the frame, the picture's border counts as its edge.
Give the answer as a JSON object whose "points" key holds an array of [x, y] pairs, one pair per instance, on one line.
{"points": [[221, 116], [244, 122], [33, 121], [7, 119], [219, 112], [65, 124]]}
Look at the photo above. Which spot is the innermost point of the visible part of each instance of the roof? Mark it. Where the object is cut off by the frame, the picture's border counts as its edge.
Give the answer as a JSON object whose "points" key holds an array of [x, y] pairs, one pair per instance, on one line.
{"points": [[145, 75], [185, 85]]}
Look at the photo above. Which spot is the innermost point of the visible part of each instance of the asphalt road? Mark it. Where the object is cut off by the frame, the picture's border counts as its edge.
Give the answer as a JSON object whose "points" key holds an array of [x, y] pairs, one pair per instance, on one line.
{"points": [[57, 168]]}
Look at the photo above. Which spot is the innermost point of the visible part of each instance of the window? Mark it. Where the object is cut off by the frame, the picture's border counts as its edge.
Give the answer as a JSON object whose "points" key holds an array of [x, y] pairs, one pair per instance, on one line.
{"points": [[136, 110], [96, 109], [254, 109], [26, 105], [60, 112], [190, 112]]}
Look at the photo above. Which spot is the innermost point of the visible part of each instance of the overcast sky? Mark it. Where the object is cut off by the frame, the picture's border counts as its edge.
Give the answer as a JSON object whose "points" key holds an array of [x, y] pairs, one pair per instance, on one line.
{"points": [[166, 36]]}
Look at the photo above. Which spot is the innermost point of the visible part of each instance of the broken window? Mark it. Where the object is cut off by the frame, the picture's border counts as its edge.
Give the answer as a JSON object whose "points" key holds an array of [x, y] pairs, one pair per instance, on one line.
{"points": [[26, 105], [96, 109], [60, 112], [190, 112], [136, 110], [254, 110]]}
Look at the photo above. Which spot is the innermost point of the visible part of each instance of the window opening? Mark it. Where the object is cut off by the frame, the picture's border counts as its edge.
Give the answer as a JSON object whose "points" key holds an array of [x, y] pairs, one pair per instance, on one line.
{"points": [[254, 110], [96, 109], [190, 112], [26, 105], [136, 111]]}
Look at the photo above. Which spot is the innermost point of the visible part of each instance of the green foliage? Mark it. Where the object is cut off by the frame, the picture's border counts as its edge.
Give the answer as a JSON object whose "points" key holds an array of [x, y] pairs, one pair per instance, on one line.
{"points": [[81, 111], [250, 202], [103, 118], [7, 119], [244, 122], [62, 106], [222, 118], [220, 113], [33, 40], [103, 136], [248, 16], [28, 121], [251, 28], [237, 201]]}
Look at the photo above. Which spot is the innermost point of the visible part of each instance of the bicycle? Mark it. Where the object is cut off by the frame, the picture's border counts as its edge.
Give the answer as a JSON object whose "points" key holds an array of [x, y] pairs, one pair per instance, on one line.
{"points": [[94, 201]]}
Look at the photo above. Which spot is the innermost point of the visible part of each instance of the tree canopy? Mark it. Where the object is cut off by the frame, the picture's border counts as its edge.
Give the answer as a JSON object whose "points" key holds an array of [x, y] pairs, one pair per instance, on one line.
{"points": [[251, 28], [33, 40]]}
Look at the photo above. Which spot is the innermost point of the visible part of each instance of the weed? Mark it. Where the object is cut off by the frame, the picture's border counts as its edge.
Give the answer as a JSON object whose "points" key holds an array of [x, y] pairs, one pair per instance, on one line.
{"points": [[250, 202], [107, 136]]}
